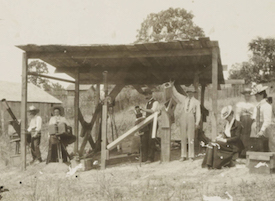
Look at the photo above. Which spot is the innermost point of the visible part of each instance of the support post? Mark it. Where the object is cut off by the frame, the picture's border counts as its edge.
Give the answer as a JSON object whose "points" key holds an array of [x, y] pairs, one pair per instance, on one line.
{"points": [[104, 124], [97, 99], [166, 137], [214, 92], [76, 112], [24, 109]]}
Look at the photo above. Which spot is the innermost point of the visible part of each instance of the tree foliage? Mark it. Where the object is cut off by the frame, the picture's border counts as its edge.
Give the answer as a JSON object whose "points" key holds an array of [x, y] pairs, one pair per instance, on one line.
{"points": [[260, 67], [40, 68], [168, 25]]}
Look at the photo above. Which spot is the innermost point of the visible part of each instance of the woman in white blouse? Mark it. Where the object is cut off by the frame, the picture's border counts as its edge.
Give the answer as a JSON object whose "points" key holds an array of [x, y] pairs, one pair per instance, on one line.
{"points": [[244, 112]]}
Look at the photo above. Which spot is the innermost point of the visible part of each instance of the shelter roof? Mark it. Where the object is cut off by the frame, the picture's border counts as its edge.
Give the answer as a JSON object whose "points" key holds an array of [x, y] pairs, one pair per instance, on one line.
{"points": [[82, 87], [11, 91], [143, 63]]}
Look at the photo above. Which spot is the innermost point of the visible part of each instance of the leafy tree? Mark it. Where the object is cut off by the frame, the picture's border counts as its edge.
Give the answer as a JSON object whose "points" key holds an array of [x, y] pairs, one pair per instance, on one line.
{"points": [[263, 50], [168, 25], [260, 67], [40, 68]]}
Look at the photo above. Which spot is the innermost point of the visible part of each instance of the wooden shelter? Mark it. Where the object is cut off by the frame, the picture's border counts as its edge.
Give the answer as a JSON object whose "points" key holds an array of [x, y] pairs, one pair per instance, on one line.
{"points": [[187, 62]]}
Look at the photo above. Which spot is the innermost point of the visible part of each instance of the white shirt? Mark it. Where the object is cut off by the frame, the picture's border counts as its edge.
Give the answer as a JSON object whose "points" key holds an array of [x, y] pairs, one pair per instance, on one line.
{"points": [[58, 119], [194, 105], [155, 106], [36, 122], [265, 113], [228, 127], [244, 108]]}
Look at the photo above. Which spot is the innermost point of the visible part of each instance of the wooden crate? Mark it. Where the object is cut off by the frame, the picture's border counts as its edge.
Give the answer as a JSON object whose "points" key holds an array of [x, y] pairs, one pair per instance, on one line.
{"points": [[87, 164], [260, 162]]}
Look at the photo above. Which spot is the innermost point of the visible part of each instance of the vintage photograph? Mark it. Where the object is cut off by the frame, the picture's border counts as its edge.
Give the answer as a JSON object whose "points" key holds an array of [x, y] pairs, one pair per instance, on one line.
{"points": [[118, 100]]}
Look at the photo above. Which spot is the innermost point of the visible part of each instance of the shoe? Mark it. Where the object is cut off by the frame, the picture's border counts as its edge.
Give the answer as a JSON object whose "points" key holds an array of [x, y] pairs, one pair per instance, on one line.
{"points": [[191, 159], [182, 159], [32, 162], [148, 161]]}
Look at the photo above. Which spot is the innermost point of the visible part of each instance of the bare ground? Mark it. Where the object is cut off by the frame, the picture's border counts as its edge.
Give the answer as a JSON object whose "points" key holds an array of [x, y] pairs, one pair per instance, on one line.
{"points": [[131, 181]]}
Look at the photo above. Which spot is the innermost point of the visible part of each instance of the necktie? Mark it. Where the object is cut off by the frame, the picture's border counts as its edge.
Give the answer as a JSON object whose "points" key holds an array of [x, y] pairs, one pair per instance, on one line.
{"points": [[188, 104], [258, 119]]}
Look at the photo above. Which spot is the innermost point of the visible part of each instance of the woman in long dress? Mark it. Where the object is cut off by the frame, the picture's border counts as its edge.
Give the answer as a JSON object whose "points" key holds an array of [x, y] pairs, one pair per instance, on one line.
{"points": [[227, 145], [56, 119], [263, 126], [244, 112]]}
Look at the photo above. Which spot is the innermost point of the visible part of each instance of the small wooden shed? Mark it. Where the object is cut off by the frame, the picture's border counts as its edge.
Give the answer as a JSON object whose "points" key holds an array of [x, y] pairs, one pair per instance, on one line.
{"points": [[12, 93], [187, 62]]}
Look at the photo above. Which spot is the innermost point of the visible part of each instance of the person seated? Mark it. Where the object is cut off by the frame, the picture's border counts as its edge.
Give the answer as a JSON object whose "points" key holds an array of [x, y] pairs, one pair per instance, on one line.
{"points": [[56, 120], [227, 145]]}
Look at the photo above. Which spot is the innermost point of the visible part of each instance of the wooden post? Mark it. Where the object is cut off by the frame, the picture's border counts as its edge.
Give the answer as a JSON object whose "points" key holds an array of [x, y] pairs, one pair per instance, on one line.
{"points": [[97, 99], [76, 112], [202, 101], [166, 136], [104, 124], [214, 92], [24, 109]]}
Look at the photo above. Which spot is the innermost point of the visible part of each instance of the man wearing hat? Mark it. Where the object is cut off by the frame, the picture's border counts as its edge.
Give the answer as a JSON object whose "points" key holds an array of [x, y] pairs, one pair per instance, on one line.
{"points": [[35, 130], [148, 144], [244, 112], [190, 117]]}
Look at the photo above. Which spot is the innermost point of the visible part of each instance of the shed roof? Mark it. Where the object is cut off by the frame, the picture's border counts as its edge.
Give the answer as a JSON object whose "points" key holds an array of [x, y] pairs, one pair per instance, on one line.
{"points": [[82, 87], [145, 63], [11, 91]]}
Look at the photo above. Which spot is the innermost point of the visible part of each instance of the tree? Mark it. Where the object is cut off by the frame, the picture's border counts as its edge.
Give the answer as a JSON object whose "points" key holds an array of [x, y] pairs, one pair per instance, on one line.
{"points": [[260, 67], [263, 51], [38, 67], [168, 25]]}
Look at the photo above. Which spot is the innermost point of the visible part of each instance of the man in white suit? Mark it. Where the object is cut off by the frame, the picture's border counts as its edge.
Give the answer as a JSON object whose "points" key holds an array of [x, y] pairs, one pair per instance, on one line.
{"points": [[190, 116]]}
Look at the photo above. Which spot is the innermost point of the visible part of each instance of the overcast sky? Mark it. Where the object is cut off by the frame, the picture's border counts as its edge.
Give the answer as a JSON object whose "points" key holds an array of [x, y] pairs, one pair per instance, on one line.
{"points": [[233, 23]]}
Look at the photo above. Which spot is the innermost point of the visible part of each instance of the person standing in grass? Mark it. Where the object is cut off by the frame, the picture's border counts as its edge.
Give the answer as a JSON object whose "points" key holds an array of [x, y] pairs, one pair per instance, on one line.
{"points": [[35, 131], [148, 144], [189, 120], [244, 112], [223, 150], [263, 125]]}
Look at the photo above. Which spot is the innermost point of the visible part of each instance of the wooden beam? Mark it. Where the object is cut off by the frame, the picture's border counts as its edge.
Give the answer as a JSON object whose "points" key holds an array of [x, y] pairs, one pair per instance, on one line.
{"points": [[214, 92], [131, 131], [104, 124], [24, 122], [50, 77], [76, 110], [120, 54]]}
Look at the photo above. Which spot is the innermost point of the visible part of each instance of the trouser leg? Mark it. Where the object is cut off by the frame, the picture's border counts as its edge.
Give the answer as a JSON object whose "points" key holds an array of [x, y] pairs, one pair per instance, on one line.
{"points": [[191, 144], [183, 138], [36, 143], [144, 146], [151, 144]]}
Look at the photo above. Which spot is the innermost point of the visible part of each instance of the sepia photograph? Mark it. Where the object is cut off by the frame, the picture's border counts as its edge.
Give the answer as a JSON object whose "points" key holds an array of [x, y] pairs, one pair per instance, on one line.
{"points": [[140, 100]]}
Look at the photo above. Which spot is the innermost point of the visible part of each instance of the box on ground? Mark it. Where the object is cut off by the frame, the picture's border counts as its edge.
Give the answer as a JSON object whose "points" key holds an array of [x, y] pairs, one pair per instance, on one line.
{"points": [[260, 162]]}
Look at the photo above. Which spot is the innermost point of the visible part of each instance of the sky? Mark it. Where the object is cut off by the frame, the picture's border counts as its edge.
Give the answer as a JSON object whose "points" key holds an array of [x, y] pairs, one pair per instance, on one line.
{"points": [[233, 23]]}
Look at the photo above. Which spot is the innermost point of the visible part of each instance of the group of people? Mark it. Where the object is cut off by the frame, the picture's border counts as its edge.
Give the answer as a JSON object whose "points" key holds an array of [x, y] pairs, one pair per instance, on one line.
{"points": [[34, 130], [249, 122]]}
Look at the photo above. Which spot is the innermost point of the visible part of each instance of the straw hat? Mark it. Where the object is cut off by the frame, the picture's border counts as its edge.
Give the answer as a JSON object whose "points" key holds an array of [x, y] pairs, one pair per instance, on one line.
{"points": [[32, 108], [246, 91], [226, 111], [258, 89], [147, 91], [190, 89], [60, 108]]}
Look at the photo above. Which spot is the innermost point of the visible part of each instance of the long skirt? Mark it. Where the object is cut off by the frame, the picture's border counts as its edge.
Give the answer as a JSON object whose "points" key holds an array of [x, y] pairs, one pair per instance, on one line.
{"points": [[218, 155], [246, 122]]}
